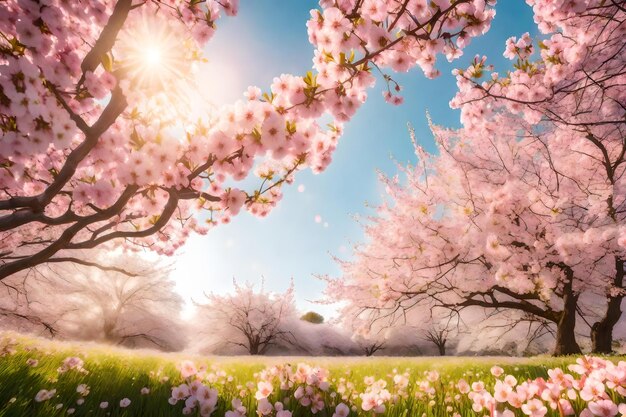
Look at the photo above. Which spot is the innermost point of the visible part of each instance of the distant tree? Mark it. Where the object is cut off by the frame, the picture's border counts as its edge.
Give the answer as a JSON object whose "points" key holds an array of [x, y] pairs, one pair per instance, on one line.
{"points": [[325, 339], [369, 342], [312, 317], [509, 332], [17, 309], [138, 307], [439, 337], [121, 309], [254, 321]]}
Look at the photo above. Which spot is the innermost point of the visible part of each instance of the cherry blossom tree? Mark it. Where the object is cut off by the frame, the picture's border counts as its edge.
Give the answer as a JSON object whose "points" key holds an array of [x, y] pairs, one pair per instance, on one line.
{"points": [[576, 83], [252, 320], [103, 141], [523, 208], [138, 307], [504, 218], [142, 309]]}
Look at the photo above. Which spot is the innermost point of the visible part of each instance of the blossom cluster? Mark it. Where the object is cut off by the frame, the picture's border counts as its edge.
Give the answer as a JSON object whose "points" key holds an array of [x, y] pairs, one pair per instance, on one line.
{"points": [[72, 363], [104, 135], [579, 44], [594, 387], [595, 382]]}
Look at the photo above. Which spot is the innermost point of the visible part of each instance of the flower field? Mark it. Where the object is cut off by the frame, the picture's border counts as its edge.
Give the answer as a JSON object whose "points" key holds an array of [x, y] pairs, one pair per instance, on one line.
{"points": [[58, 378]]}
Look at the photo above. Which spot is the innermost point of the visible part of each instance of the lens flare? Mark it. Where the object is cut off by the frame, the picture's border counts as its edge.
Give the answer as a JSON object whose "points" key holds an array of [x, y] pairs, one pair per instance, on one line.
{"points": [[152, 55], [157, 58]]}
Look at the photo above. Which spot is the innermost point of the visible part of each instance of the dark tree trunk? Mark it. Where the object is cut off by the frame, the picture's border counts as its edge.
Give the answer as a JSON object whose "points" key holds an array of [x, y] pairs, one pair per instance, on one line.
{"points": [[602, 331], [254, 345], [370, 350], [565, 336], [442, 349]]}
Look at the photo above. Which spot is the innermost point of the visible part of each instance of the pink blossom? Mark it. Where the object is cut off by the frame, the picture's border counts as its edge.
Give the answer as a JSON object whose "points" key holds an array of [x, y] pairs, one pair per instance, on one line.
{"points": [[603, 408]]}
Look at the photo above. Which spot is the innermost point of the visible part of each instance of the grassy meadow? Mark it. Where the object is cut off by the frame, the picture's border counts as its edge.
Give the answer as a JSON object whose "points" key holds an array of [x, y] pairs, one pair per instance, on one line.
{"points": [[146, 378]]}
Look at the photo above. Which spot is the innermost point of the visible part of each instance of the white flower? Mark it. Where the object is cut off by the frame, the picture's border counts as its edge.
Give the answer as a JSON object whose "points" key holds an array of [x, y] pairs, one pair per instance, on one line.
{"points": [[125, 402], [104, 404], [44, 395], [496, 371], [82, 389]]}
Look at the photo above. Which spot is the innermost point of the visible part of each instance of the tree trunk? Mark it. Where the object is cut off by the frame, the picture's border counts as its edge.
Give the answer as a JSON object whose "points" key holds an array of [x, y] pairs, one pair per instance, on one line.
{"points": [[602, 331], [565, 337], [442, 349]]}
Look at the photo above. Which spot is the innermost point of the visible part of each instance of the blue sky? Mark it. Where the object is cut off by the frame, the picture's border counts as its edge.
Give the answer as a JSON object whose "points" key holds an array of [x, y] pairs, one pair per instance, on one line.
{"points": [[266, 39]]}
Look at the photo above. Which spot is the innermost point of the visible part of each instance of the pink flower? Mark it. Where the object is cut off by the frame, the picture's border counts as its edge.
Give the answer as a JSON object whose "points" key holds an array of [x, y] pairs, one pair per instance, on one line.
{"points": [[264, 390], [341, 410], [264, 407], [603, 408], [534, 408], [233, 200], [502, 391], [187, 369], [496, 371], [463, 386], [180, 392], [593, 389]]}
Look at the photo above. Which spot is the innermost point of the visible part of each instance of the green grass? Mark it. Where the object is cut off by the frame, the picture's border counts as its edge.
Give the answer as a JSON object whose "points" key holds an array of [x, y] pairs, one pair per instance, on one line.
{"points": [[115, 373]]}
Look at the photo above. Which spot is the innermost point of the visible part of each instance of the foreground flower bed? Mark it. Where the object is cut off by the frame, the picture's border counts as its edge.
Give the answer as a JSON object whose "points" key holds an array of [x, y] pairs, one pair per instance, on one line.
{"points": [[40, 378]]}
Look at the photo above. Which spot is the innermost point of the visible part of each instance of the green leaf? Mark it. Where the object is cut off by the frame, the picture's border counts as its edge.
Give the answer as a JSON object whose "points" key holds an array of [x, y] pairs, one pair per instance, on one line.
{"points": [[107, 61], [135, 140]]}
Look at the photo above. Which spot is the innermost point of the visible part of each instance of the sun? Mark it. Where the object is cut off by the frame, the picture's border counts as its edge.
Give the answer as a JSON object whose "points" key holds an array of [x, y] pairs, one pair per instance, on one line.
{"points": [[152, 55], [158, 58]]}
